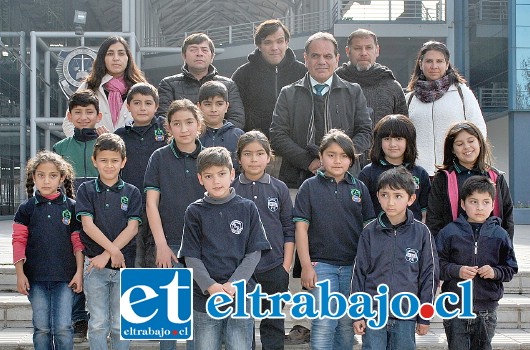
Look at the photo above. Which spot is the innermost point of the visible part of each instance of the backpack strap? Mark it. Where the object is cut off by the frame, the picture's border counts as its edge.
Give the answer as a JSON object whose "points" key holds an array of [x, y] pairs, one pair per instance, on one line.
{"points": [[452, 191], [462, 98], [410, 99], [496, 209]]}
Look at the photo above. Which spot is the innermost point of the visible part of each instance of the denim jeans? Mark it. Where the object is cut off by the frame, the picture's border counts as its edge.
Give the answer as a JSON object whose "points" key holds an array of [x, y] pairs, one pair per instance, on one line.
{"points": [[327, 333], [102, 290], [209, 333], [79, 312], [172, 344], [272, 331], [51, 303], [397, 335], [473, 334]]}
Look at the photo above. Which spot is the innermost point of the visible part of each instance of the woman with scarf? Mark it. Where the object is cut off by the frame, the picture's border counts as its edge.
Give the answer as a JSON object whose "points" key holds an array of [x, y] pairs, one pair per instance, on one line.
{"points": [[438, 97], [113, 73]]}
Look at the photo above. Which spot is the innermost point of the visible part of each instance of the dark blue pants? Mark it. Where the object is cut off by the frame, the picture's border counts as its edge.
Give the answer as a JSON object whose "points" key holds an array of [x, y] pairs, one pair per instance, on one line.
{"points": [[470, 334]]}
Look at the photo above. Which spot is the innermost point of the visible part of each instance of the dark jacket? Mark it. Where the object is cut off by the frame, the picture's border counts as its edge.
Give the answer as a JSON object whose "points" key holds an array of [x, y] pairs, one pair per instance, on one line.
{"points": [[456, 248], [226, 136], [346, 107], [384, 95], [402, 257], [185, 85], [259, 84], [439, 207]]}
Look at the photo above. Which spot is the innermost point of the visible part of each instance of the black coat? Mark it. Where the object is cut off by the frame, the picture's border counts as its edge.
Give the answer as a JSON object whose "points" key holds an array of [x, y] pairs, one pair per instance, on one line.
{"points": [[259, 84]]}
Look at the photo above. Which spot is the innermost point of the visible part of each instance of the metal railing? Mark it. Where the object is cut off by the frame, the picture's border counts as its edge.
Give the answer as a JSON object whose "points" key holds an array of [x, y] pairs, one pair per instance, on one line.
{"points": [[493, 97], [489, 10], [244, 33], [9, 186], [392, 10]]}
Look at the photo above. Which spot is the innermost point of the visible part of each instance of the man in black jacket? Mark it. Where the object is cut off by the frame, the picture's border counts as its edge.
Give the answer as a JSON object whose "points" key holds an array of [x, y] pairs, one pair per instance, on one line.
{"points": [[198, 53], [307, 109], [270, 67]]}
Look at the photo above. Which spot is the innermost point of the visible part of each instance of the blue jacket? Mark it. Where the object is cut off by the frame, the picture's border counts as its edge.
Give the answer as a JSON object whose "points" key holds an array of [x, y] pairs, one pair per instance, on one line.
{"points": [[226, 136], [457, 247], [403, 257]]}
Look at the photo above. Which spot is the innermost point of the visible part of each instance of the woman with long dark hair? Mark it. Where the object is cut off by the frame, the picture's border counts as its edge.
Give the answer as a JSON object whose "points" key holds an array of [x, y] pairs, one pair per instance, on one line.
{"points": [[438, 97], [113, 73]]}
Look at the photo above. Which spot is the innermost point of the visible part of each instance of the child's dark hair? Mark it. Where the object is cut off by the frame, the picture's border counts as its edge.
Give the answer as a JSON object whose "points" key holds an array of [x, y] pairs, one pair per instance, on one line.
{"points": [[484, 160], [65, 169], [212, 89], [214, 156], [184, 105], [83, 98], [250, 137], [395, 125], [477, 183], [340, 138], [109, 142], [398, 178], [144, 89]]}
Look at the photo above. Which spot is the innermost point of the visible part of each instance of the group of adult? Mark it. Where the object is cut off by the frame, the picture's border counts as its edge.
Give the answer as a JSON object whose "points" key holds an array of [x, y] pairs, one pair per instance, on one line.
{"points": [[295, 103]]}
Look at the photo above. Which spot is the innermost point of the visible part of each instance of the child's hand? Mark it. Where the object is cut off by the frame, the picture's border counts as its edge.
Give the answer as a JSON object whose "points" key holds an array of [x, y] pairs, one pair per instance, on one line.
{"points": [[165, 256], [77, 283], [22, 284], [468, 272], [309, 277], [486, 271], [99, 262], [229, 289], [422, 329], [359, 327], [102, 130], [215, 288], [117, 259]]}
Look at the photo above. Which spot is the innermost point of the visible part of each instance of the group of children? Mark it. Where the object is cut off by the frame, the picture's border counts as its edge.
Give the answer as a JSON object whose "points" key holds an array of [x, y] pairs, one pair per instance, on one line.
{"points": [[217, 211]]}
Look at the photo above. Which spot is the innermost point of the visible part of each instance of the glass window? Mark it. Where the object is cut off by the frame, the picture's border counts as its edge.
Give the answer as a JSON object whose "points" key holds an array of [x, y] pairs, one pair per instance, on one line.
{"points": [[522, 13], [522, 56], [522, 36]]}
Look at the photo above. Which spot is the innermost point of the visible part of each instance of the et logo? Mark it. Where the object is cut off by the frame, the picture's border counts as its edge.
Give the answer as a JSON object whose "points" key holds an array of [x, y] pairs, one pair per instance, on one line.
{"points": [[156, 304]]}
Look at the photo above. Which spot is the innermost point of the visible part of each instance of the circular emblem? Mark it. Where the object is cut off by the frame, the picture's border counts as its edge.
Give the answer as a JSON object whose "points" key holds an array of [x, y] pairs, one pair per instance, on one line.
{"points": [[73, 66], [411, 255], [236, 227]]}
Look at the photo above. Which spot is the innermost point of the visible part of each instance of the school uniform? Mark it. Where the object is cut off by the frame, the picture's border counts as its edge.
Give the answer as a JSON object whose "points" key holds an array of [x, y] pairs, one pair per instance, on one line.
{"points": [[439, 209], [173, 173], [226, 136], [336, 213], [371, 172], [221, 234], [43, 231], [275, 207], [141, 142], [111, 208]]}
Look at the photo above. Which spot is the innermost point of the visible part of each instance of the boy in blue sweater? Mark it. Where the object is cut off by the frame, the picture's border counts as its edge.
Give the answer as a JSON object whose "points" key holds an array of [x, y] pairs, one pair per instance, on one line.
{"points": [[222, 242], [213, 103], [476, 247], [145, 135], [399, 251]]}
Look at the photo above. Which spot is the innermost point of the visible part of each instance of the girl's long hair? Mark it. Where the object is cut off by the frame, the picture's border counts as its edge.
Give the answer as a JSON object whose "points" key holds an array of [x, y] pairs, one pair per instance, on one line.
{"points": [[395, 125]]}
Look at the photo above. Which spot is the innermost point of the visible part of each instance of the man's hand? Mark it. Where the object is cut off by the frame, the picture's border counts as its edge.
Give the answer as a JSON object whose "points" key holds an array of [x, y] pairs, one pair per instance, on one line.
{"points": [[314, 166]]}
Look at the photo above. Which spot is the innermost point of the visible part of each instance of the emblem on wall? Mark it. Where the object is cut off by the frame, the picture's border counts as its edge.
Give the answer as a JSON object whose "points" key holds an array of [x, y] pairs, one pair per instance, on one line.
{"points": [[73, 67]]}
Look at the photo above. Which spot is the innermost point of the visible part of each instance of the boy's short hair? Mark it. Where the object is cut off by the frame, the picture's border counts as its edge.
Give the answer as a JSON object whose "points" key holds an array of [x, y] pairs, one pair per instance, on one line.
{"points": [[214, 156], [144, 89], [83, 98], [397, 178], [109, 142], [212, 89], [477, 183]]}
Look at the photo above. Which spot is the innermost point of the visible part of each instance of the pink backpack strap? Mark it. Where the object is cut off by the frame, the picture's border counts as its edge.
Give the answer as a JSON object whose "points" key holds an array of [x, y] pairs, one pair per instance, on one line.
{"points": [[496, 209], [452, 191]]}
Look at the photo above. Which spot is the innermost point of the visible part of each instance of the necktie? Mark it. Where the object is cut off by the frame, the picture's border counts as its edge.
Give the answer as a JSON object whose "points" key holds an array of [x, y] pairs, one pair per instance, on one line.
{"points": [[319, 88]]}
